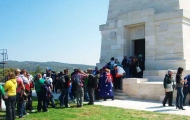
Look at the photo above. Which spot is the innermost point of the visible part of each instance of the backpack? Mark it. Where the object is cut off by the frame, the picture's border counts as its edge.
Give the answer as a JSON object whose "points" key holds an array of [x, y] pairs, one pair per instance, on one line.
{"points": [[60, 82], [47, 80], [77, 81]]}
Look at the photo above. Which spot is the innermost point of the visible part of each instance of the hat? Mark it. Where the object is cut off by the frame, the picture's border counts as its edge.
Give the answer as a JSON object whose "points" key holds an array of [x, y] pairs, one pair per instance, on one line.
{"points": [[169, 70], [48, 68], [112, 58], [18, 70], [89, 69], [115, 65]]}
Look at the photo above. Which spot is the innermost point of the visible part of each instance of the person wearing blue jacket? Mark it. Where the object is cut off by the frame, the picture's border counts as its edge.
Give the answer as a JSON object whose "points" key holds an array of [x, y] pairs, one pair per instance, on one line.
{"points": [[186, 88]]}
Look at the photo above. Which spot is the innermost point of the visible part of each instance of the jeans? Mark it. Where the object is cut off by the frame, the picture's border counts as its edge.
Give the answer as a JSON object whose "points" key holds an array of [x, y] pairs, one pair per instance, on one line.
{"points": [[180, 96], [42, 98], [10, 107], [127, 74], [64, 97], [80, 95], [71, 95], [86, 94], [20, 105], [51, 99]]}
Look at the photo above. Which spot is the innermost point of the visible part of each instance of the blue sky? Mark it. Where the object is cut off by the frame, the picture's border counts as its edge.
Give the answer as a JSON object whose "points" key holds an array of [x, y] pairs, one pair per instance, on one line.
{"points": [[52, 30]]}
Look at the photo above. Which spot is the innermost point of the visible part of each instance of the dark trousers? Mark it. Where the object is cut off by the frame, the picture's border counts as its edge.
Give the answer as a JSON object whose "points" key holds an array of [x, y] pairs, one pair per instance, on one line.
{"points": [[179, 98], [64, 97], [29, 102], [10, 107], [169, 97], [96, 94], [73, 91], [117, 83], [186, 91], [91, 95], [53, 87], [42, 98]]}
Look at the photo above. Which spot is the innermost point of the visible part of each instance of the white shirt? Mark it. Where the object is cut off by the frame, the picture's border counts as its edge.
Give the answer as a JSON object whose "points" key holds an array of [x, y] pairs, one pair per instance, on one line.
{"points": [[49, 79]]}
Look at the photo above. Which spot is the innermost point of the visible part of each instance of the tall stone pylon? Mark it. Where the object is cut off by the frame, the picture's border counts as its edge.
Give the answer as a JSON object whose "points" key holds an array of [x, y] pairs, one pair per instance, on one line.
{"points": [[157, 29]]}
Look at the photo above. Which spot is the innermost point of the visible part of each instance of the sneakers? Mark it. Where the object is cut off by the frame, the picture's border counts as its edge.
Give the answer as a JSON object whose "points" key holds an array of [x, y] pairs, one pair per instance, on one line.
{"points": [[79, 106], [21, 116], [68, 106], [32, 111], [90, 103], [26, 114]]}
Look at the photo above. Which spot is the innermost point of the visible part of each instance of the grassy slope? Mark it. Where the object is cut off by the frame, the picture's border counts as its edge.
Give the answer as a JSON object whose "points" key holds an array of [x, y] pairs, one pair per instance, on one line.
{"points": [[98, 113]]}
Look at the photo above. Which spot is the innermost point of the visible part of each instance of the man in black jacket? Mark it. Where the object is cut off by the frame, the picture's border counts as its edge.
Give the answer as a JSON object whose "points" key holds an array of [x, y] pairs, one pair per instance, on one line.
{"points": [[65, 80], [92, 84]]}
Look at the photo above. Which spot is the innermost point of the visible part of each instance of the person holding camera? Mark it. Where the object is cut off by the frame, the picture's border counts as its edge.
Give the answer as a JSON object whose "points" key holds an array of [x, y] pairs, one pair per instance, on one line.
{"points": [[78, 80]]}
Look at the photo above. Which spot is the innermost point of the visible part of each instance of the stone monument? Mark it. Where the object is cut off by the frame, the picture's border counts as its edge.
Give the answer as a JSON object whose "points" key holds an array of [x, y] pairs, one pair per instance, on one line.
{"points": [[158, 29]]}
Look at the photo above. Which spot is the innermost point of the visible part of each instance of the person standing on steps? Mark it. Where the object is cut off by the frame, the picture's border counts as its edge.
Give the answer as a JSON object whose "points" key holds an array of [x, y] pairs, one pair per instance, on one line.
{"points": [[169, 88], [125, 64], [179, 88]]}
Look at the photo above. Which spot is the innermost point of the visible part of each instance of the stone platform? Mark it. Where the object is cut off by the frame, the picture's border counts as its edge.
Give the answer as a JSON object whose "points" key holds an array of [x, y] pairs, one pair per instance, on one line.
{"points": [[144, 90]]}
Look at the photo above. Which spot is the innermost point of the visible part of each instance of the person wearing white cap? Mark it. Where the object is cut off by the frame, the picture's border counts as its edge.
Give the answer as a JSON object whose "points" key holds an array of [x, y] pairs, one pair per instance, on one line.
{"points": [[169, 88]]}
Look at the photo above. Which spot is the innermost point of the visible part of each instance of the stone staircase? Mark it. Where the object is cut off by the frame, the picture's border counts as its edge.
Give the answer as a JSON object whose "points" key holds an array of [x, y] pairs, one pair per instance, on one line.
{"points": [[119, 95]]}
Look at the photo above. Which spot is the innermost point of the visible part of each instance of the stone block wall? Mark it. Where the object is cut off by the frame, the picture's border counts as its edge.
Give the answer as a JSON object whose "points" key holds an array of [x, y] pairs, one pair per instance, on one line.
{"points": [[119, 7], [143, 90]]}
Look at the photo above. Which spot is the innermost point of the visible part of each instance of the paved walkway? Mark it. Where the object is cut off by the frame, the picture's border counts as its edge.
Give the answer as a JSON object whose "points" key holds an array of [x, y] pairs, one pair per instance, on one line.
{"points": [[145, 105], [140, 105]]}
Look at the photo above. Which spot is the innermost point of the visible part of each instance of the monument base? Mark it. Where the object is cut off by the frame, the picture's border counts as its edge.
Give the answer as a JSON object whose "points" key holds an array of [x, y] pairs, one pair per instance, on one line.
{"points": [[144, 90]]}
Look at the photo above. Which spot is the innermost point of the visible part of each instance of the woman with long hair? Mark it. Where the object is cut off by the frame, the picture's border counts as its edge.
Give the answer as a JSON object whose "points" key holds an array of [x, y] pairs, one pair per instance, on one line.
{"points": [[179, 88]]}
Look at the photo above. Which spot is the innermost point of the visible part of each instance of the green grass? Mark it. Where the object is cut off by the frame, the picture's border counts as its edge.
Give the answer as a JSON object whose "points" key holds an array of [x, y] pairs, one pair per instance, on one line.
{"points": [[98, 113]]}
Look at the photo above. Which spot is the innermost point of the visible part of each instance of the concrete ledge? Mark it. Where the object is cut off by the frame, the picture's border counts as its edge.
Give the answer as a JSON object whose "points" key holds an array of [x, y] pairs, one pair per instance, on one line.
{"points": [[144, 90]]}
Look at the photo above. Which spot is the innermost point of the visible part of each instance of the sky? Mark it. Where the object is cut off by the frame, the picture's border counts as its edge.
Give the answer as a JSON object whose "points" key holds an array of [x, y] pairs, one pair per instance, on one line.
{"points": [[64, 31]]}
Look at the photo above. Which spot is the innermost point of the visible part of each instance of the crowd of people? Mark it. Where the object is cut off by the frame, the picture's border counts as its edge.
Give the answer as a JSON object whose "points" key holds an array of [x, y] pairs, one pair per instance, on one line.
{"points": [[78, 86], [88, 85]]}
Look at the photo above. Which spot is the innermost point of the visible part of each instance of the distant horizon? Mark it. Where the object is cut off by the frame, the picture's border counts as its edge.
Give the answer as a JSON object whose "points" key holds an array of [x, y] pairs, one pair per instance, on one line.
{"points": [[48, 61]]}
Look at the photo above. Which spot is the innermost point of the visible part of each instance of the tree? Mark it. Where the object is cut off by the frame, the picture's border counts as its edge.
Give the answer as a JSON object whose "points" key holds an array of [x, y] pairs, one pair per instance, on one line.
{"points": [[38, 70]]}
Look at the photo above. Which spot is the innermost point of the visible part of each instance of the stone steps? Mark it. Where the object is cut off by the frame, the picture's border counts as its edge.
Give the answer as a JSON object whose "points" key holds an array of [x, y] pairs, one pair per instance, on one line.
{"points": [[119, 95]]}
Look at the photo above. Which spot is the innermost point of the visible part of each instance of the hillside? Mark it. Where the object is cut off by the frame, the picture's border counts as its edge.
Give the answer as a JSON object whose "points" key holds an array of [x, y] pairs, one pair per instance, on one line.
{"points": [[56, 66]]}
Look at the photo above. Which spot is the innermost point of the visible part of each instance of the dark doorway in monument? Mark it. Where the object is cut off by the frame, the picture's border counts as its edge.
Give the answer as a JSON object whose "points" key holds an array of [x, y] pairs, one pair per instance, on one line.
{"points": [[139, 47]]}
